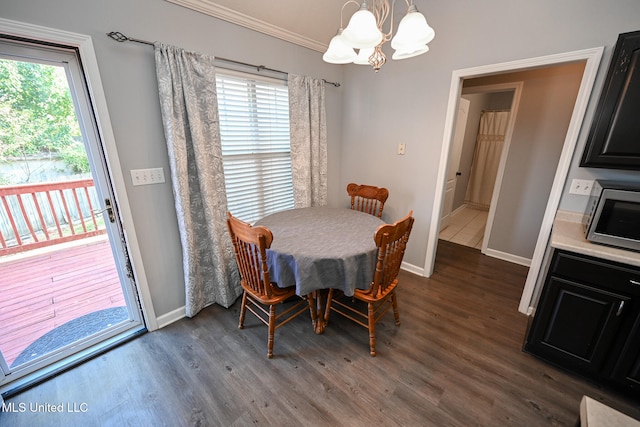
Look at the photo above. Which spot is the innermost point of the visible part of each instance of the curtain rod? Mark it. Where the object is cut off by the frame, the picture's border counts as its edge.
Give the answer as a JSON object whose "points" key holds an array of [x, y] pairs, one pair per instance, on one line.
{"points": [[119, 37]]}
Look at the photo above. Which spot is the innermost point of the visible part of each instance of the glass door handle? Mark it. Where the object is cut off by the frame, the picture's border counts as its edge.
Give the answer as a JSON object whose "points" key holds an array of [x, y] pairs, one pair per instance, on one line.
{"points": [[108, 209]]}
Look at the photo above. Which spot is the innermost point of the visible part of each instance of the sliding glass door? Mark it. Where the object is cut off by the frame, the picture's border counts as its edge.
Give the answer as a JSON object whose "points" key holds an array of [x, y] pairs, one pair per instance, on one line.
{"points": [[66, 284]]}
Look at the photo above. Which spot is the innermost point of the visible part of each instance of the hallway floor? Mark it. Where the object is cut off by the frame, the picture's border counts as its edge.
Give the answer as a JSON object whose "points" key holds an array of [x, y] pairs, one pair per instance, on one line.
{"points": [[466, 227]]}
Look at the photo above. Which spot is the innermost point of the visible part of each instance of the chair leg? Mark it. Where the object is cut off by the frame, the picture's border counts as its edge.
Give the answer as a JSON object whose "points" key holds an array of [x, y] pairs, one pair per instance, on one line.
{"points": [[372, 330], [327, 309], [396, 313], [272, 330], [243, 310], [313, 311]]}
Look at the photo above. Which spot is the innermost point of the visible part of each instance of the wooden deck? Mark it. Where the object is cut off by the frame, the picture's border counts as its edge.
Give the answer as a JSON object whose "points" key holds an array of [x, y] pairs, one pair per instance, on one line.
{"points": [[44, 289]]}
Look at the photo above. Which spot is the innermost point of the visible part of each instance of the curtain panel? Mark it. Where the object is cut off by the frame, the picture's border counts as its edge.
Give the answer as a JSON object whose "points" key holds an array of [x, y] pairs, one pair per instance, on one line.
{"points": [[486, 158], [308, 130], [188, 103]]}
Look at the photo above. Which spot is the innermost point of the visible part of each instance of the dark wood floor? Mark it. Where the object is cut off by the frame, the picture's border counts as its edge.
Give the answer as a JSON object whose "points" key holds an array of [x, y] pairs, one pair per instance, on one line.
{"points": [[456, 360]]}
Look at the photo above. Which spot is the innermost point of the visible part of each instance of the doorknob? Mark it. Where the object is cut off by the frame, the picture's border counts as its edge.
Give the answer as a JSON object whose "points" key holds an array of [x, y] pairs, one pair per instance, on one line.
{"points": [[458, 173]]}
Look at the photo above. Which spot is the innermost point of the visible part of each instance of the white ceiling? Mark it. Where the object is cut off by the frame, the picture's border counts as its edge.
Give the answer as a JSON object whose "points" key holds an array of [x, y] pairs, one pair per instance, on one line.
{"points": [[305, 22]]}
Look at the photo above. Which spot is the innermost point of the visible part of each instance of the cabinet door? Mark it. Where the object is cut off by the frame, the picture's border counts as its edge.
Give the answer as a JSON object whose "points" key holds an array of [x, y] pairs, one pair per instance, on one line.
{"points": [[627, 370], [575, 325], [615, 131]]}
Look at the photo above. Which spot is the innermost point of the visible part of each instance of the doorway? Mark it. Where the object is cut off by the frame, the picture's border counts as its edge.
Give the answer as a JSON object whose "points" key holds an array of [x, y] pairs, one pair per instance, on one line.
{"points": [[479, 147], [67, 288], [591, 59]]}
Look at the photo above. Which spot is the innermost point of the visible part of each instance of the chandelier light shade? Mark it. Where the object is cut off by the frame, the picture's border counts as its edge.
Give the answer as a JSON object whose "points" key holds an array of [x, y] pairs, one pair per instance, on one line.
{"points": [[410, 52], [365, 33], [362, 31], [339, 52], [413, 30]]}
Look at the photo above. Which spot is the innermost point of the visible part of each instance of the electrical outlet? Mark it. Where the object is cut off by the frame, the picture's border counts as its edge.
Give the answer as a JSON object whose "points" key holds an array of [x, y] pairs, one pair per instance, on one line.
{"points": [[147, 176], [401, 148], [581, 187]]}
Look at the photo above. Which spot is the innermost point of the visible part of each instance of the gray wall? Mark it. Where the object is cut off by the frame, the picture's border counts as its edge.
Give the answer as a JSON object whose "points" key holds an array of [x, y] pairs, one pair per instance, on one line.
{"points": [[546, 106], [407, 100], [129, 81], [368, 116]]}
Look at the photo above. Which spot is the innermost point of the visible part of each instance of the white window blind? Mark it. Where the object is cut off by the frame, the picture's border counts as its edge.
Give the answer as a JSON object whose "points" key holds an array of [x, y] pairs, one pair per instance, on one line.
{"points": [[256, 150]]}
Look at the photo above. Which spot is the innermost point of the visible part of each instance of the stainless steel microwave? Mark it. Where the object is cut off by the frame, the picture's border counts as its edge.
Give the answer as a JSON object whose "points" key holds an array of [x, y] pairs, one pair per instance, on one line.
{"points": [[613, 215]]}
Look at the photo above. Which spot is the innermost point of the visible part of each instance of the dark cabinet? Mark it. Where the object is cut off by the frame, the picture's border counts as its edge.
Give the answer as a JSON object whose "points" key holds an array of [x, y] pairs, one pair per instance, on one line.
{"points": [[578, 325], [614, 138], [627, 370], [588, 319]]}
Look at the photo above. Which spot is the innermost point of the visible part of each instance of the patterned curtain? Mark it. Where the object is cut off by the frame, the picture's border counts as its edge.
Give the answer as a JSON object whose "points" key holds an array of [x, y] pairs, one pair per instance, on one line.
{"points": [[308, 141], [188, 102], [486, 158]]}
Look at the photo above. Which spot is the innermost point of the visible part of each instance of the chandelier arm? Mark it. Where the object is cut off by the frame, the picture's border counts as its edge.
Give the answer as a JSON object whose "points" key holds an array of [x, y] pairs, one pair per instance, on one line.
{"points": [[342, 10], [381, 12]]}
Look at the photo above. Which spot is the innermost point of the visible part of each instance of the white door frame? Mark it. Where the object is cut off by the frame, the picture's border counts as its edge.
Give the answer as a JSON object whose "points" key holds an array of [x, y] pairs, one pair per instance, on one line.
{"points": [[84, 45], [592, 58]]}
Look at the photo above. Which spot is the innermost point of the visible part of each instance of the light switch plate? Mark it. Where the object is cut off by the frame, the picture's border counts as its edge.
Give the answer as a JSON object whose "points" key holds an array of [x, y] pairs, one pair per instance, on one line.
{"points": [[401, 148], [147, 176]]}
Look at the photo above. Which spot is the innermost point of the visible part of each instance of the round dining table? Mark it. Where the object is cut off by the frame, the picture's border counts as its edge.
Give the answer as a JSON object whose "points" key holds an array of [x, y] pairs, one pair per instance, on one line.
{"points": [[319, 248]]}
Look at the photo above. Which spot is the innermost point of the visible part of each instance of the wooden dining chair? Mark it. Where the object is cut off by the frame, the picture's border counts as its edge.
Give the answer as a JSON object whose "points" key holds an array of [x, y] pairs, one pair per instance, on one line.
{"points": [[259, 292], [391, 240], [367, 198]]}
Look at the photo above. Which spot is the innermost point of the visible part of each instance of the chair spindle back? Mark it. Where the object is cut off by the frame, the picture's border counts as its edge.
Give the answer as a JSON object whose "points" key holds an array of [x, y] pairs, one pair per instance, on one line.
{"points": [[391, 240], [250, 245], [367, 198]]}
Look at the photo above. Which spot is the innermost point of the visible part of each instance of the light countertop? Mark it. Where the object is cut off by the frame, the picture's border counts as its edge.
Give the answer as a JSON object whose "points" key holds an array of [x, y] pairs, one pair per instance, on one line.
{"points": [[596, 414], [567, 234]]}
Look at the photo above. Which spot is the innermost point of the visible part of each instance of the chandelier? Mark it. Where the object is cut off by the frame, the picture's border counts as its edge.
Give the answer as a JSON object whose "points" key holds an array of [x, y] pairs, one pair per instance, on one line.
{"points": [[365, 33]]}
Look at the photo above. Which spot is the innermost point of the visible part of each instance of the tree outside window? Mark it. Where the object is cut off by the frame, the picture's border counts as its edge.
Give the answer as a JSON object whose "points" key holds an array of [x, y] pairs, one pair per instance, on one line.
{"points": [[37, 121]]}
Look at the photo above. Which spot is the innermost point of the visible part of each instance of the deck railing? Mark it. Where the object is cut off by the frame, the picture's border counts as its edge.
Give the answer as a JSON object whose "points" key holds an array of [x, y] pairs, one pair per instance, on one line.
{"points": [[37, 215]]}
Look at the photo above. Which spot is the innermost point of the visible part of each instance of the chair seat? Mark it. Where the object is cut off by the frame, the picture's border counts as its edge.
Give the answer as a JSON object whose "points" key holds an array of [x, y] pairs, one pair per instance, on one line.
{"points": [[366, 295], [277, 294]]}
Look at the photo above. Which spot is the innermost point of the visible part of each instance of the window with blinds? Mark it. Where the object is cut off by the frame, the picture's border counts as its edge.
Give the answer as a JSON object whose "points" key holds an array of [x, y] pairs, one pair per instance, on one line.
{"points": [[256, 150]]}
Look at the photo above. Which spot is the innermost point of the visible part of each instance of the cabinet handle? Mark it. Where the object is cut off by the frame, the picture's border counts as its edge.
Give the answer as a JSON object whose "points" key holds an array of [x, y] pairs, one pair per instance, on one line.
{"points": [[634, 282], [620, 308]]}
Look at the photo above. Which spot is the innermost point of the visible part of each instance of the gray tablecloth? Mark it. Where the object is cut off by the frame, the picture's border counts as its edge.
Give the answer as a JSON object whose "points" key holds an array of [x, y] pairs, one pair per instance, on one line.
{"points": [[319, 248]]}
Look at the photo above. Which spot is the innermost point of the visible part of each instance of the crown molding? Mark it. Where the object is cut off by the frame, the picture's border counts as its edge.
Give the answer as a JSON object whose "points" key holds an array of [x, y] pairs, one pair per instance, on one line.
{"points": [[210, 8]]}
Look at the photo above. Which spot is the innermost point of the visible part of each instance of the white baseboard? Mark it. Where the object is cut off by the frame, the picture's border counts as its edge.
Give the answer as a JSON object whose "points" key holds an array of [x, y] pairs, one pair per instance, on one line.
{"points": [[412, 268], [172, 316], [458, 210], [508, 257]]}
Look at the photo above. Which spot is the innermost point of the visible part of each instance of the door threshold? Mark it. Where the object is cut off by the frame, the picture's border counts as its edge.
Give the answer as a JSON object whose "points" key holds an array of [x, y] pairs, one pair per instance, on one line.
{"points": [[49, 372]]}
